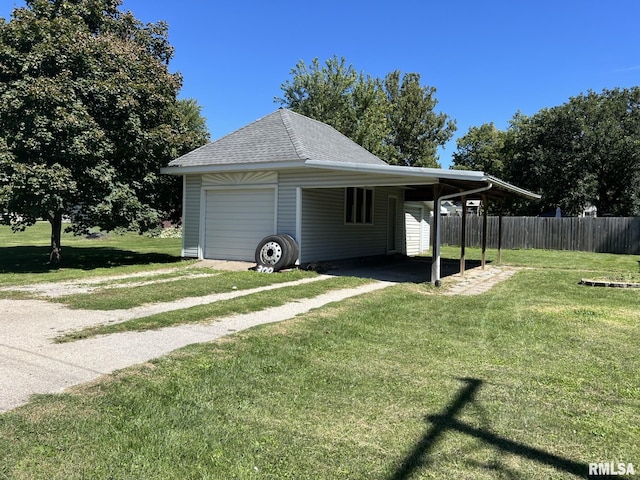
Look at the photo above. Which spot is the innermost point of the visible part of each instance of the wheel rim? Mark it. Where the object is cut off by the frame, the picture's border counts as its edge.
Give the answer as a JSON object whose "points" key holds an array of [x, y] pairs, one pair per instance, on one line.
{"points": [[271, 253]]}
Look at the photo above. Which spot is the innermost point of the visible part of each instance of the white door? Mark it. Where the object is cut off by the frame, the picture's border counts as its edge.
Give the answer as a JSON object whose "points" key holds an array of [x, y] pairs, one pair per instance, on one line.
{"points": [[236, 221]]}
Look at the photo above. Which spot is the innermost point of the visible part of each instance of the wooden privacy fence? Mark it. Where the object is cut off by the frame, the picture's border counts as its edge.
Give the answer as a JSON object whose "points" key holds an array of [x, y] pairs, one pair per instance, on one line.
{"points": [[587, 234]]}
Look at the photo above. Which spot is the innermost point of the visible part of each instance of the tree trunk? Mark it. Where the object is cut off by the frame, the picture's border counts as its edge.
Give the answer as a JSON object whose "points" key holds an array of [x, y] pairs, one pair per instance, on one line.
{"points": [[55, 219]]}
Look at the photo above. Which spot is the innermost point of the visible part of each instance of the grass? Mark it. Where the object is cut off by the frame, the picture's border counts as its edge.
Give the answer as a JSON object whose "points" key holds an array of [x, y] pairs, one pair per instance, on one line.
{"points": [[207, 313], [123, 298], [534, 379], [554, 259], [24, 256]]}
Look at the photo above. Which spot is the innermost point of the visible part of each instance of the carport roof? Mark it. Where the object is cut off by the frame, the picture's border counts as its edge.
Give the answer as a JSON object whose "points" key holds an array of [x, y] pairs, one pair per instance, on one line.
{"points": [[420, 181]]}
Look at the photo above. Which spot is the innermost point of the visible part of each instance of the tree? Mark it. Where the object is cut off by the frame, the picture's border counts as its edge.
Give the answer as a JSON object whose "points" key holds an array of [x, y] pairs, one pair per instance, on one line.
{"points": [[88, 112], [612, 143], [416, 129], [585, 151], [483, 149], [193, 125], [352, 103], [394, 119]]}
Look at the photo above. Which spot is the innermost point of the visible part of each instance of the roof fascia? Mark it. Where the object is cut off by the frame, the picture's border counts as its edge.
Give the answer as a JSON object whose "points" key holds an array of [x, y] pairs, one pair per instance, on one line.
{"points": [[464, 175], [230, 167], [521, 192]]}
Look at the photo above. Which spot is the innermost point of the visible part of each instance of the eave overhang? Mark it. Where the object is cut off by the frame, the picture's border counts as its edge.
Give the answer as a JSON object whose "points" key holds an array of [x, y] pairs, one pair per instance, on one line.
{"points": [[419, 180]]}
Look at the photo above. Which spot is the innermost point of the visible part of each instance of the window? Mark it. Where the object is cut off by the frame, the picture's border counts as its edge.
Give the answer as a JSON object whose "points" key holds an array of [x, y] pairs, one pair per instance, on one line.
{"points": [[358, 205]]}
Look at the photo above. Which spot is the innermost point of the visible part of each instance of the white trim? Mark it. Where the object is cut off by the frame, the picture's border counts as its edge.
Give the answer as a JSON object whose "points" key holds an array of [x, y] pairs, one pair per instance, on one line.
{"points": [[184, 211], [299, 222], [203, 216], [262, 186], [231, 167], [424, 239], [399, 170], [429, 175]]}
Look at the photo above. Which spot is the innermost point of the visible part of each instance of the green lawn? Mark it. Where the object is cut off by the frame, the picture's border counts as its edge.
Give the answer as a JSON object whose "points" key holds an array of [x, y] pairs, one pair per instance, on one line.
{"points": [[24, 256], [534, 379]]}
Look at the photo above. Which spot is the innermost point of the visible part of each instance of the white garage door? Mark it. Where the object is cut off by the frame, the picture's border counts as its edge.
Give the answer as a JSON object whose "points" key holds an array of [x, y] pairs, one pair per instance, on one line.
{"points": [[236, 220]]}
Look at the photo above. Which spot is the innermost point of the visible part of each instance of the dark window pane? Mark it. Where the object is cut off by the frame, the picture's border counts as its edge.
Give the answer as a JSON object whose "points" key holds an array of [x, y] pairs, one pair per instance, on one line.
{"points": [[369, 207], [359, 205], [348, 217]]}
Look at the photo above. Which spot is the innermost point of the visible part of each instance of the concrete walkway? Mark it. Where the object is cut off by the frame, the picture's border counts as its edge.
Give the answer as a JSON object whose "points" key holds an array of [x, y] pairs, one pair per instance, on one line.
{"points": [[477, 281]]}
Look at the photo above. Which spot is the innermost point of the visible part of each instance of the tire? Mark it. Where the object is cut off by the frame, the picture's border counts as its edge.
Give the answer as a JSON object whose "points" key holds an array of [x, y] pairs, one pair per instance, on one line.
{"points": [[273, 251], [294, 251]]}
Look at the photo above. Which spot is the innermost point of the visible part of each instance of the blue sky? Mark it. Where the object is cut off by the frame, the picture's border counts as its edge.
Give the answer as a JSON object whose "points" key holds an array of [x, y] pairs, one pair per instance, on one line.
{"points": [[487, 59]]}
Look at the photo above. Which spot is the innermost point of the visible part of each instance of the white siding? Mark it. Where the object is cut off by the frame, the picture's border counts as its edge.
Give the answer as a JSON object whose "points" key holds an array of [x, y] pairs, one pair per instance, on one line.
{"points": [[413, 222], [417, 228], [323, 231], [325, 236], [191, 216], [289, 180]]}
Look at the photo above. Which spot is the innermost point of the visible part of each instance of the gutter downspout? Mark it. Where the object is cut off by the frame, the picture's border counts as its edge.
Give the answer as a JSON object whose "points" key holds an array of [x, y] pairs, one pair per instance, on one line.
{"points": [[435, 267]]}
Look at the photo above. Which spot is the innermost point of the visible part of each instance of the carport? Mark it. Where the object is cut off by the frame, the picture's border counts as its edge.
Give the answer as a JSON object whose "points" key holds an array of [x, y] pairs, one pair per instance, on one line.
{"points": [[437, 185]]}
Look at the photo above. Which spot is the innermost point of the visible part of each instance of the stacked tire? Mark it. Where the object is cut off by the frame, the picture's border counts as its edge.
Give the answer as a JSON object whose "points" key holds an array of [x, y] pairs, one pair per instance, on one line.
{"points": [[276, 252]]}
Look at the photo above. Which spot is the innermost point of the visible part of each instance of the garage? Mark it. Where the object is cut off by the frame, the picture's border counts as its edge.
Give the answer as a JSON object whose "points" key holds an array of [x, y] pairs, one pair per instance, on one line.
{"points": [[236, 220]]}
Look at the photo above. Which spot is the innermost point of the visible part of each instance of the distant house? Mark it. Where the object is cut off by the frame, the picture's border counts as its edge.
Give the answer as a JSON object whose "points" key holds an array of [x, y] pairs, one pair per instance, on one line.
{"points": [[590, 211], [288, 174]]}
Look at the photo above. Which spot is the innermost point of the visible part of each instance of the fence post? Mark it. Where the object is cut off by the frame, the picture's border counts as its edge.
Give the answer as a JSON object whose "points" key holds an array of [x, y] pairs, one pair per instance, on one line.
{"points": [[485, 204], [463, 236], [500, 213]]}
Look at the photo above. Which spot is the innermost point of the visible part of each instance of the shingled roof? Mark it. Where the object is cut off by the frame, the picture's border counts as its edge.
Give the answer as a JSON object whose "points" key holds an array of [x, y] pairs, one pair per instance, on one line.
{"points": [[282, 136]]}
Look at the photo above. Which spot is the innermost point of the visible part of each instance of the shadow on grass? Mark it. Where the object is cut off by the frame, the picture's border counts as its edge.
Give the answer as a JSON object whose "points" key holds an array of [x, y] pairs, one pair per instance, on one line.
{"points": [[447, 422], [35, 259]]}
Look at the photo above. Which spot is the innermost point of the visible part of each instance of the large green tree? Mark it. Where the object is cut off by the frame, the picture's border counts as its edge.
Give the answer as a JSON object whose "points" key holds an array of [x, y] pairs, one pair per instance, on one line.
{"points": [[336, 94], [586, 151], [89, 114], [393, 118], [416, 129], [483, 149]]}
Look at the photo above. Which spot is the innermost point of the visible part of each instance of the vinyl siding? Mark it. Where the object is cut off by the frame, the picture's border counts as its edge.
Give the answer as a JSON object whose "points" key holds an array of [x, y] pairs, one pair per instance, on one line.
{"points": [[413, 223], [191, 216], [325, 236], [324, 233]]}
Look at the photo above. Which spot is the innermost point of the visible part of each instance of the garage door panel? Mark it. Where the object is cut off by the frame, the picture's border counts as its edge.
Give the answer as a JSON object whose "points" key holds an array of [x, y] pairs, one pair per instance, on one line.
{"points": [[236, 220]]}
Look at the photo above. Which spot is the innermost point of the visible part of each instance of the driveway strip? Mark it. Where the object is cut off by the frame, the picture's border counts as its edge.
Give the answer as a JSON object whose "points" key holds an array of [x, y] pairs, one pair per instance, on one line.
{"points": [[31, 363]]}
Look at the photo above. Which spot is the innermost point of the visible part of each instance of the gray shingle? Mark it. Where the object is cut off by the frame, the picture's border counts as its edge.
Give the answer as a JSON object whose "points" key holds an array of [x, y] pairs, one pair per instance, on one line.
{"points": [[282, 136]]}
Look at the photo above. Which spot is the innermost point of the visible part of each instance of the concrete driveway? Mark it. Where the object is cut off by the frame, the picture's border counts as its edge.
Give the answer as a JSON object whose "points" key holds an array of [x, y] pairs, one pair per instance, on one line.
{"points": [[30, 361], [396, 268]]}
